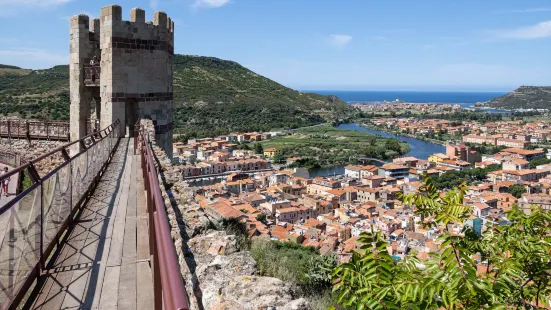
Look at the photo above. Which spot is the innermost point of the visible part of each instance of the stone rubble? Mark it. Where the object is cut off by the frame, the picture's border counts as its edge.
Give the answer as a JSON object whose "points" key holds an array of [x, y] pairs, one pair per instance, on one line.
{"points": [[34, 149], [217, 275]]}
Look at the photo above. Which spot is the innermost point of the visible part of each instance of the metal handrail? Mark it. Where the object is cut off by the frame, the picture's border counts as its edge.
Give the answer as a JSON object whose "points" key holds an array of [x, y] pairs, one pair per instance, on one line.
{"points": [[168, 285], [17, 129], [63, 151], [36, 220], [30, 129]]}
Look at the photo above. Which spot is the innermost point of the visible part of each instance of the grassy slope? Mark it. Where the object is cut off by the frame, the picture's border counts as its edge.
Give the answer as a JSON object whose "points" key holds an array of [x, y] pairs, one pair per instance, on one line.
{"points": [[216, 96], [38, 93], [211, 96]]}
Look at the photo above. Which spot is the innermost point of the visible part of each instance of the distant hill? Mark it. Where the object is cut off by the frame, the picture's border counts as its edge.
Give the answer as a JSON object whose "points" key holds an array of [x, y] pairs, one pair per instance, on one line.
{"points": [[211, 96], [525, 97], [8, 67], [42, 94], [214, 95]]}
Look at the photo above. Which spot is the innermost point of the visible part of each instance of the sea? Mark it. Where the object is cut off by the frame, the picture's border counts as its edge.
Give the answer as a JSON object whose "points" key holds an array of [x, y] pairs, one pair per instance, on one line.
{"points": [[465, 99]]}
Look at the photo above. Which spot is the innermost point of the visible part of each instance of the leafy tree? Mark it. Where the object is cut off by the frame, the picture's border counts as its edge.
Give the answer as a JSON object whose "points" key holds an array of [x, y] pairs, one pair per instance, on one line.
{"points": [[516, 190], [279, 158], [244, 146], [537, 162], [261, 217], [306, 163], [258, 149], [513, 272], [451, 179], [393, 145]]}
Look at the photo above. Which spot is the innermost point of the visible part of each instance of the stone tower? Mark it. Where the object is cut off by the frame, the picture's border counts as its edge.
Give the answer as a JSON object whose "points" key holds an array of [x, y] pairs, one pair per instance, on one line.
{"points": [[133, 75]]}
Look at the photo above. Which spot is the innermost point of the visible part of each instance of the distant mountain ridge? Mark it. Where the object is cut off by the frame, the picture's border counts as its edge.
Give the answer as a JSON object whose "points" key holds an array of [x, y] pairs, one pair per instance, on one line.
{"points": [[524, 97], [8, 67], [211, 96]]}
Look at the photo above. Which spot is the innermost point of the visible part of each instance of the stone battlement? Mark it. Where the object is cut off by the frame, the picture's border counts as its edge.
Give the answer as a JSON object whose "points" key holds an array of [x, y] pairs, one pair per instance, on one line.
{"points": [[114, 13], [133, 78], [138, 33]]}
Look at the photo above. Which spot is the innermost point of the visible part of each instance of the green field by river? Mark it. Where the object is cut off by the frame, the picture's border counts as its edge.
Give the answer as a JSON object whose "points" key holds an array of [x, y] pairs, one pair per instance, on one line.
{"points": [[330, 146]]}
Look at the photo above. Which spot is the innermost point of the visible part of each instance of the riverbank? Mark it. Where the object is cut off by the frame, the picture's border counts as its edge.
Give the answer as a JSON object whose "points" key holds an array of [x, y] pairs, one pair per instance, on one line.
{"points": [[418, 148], [383, 129], [328, 146]]}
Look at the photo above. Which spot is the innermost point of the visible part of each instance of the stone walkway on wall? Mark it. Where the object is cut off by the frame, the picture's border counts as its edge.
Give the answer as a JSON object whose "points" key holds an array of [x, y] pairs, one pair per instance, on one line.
{"points": [[105, 262]]}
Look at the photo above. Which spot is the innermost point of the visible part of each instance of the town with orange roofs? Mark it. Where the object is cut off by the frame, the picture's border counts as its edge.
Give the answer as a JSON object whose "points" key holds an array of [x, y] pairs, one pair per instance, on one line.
{"points": [[329, 212]]}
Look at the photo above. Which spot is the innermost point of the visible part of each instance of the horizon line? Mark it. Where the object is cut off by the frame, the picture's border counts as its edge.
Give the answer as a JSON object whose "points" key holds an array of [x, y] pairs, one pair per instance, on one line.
{"points": [[403, 90]]}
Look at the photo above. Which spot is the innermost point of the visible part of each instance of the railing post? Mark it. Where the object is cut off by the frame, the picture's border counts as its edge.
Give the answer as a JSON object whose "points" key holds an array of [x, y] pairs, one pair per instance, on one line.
{"points": [[11, 240], [27, 131], [157, 288]]}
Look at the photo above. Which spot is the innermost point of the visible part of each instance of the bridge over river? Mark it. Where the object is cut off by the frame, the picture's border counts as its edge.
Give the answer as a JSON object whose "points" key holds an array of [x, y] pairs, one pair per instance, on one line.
{"points": [[92, 233]]}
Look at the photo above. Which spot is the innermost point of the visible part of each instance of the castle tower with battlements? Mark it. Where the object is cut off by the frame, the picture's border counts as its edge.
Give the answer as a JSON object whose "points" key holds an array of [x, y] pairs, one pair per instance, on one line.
{"points": [[132, 75]]}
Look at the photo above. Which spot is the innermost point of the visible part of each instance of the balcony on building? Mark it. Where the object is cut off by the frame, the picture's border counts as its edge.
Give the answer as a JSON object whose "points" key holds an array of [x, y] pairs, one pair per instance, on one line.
{"points": [[91, 75]]}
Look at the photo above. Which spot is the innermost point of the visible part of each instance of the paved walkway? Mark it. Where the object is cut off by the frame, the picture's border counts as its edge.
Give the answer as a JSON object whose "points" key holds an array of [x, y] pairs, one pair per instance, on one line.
{"points": [[12, 187], [105, 262]]}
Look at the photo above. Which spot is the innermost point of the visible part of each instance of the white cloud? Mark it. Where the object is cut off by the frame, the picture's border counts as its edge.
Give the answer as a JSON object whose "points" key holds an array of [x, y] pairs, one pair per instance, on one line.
{"points": [[210, 3], [530, 10], [34, 2], [153, 4], [33, 58], [340, 40], [540, 30]]}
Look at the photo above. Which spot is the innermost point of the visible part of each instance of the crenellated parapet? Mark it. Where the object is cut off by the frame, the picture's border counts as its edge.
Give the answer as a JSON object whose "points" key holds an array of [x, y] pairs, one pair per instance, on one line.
{"points": [[134, 77], [137, 34]]}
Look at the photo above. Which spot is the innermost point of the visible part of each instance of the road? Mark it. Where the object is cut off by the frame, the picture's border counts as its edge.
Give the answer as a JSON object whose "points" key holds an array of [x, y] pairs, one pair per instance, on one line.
{"points": [[11, 187]]}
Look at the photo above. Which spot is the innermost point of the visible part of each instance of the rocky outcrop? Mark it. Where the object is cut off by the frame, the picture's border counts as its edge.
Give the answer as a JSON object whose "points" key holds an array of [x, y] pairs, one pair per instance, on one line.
{"points": [[217, 275], [226, 276]]}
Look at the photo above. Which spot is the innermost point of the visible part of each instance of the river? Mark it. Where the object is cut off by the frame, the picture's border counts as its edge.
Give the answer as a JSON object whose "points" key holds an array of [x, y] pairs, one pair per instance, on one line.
{"points": [[418, 148]]}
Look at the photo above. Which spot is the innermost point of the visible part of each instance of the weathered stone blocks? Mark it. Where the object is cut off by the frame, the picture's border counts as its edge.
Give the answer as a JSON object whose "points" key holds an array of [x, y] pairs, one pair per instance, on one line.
{"points": [[136, 70]]}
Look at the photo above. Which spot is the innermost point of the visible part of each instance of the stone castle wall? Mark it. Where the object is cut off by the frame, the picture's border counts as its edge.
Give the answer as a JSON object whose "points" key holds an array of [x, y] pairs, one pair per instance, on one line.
{"points": [[217, 274], [29, 150], [136, 59]]}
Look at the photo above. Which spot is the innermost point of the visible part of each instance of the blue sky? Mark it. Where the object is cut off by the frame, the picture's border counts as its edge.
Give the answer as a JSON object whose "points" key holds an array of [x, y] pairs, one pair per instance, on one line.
{"points": [[325, 44]]}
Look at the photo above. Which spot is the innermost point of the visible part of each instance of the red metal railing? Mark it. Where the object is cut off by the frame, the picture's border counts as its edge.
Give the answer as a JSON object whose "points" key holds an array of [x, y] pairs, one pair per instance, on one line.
{"points": [[168, 285], [34, 221]]}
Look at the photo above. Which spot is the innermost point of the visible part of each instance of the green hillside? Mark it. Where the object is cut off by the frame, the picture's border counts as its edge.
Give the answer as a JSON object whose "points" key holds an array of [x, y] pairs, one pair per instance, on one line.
{"points": [[9, 67], [524, 97], [211, 96], [42, 94]]}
